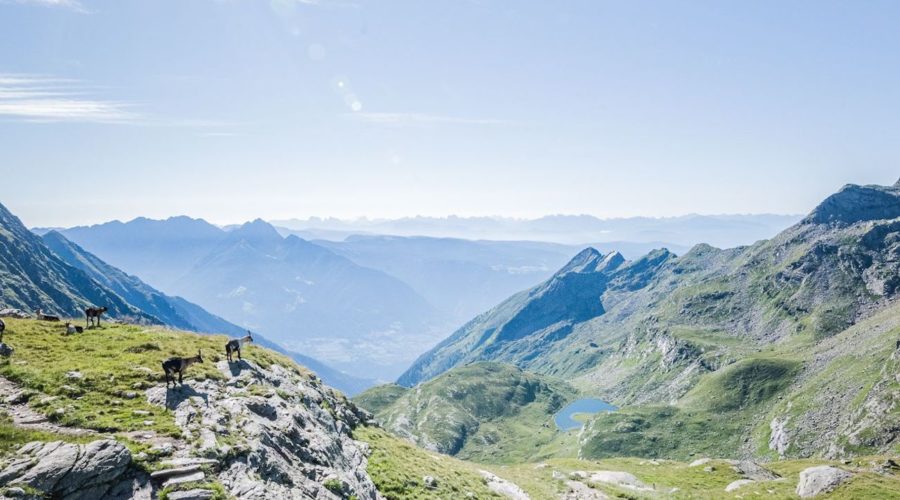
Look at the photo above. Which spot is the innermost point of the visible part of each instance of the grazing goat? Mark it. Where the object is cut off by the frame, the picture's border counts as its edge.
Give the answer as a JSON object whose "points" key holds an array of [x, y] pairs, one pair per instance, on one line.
{"points": [[2, 329], [234, 346], [172, 366], [45, 317], [93, 312]]}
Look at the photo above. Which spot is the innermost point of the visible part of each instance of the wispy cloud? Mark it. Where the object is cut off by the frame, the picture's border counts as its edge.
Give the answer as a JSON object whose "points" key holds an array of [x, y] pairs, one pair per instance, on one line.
{"points": [[66, 4], [419, 119], [42, 99]]}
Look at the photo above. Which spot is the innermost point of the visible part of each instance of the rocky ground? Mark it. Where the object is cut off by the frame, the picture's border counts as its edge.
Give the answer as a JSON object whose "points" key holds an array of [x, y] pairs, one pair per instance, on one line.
{"points": [[263, 433]]}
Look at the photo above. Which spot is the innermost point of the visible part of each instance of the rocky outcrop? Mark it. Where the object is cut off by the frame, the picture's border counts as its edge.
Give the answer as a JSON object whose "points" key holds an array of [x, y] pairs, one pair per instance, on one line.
{"points": [[822, 479], [616, 478], [273, 432], [100, 469], [857, 203], [779, 439], [736, 485], [503, 487]]}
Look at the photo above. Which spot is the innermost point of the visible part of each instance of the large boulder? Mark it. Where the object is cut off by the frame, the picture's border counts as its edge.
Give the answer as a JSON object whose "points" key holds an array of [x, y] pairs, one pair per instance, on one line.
{"points": [[822, 479], [273, 432], [67, 471]]}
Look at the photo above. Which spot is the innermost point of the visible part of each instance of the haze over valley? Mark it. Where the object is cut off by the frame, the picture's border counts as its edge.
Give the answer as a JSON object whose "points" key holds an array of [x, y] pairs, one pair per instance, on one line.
{"points": [[369, 304]]}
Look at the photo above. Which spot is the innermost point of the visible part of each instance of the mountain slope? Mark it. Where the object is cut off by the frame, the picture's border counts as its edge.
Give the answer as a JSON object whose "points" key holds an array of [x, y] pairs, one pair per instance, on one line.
{"points": [[481, 412], [648, 334], [172, 311], [33, 277], [260, 428]]}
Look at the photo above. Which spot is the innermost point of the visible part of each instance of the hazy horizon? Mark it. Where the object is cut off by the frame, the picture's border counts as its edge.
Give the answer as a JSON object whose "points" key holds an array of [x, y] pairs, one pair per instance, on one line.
{"points": [[371, 219]]}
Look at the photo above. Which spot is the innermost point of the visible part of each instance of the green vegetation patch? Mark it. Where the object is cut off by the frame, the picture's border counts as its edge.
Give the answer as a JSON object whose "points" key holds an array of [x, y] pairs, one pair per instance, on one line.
{"points": [[380, 397], [399, 470], [746, 383]]}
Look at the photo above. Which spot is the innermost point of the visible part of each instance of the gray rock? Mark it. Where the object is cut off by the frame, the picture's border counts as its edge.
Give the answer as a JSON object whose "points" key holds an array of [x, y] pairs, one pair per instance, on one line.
{"points": [[71, 471], [180, 471], [184, 478], [822, 479], [6, 350], [503, 487], [779, 439], [195, 494], [754, 471], [734, 485], [430, 482], [14, 492]]}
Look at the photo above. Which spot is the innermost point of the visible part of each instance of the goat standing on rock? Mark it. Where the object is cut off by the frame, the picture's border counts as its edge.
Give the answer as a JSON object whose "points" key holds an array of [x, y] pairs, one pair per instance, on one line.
{"points": [[172, 366], [234, 346]]}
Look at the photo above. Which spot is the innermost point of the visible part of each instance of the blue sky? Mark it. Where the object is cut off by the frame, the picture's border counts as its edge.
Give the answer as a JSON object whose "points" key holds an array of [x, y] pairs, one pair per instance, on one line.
{"points": [[237, 109]]}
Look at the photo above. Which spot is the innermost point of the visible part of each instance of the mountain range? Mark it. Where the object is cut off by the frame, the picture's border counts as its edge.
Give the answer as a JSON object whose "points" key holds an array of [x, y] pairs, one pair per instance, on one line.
{"points": [[720, 230], [754, 349]]}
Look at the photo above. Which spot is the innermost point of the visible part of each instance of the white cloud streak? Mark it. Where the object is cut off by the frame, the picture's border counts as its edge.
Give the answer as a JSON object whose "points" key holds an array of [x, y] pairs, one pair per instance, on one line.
{"points": [[419, 119], [74, 5], [40, 99]]}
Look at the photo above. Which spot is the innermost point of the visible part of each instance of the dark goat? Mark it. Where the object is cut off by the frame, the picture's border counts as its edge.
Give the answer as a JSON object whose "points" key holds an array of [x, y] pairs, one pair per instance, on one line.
{"points": [[172, 366], [234, 346], [93, 312]]}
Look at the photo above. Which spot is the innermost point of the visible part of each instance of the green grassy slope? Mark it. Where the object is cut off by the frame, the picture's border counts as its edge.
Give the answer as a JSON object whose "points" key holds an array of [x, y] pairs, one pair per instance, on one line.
{"points": [[379, 398], [484, 411], [115, 363]]}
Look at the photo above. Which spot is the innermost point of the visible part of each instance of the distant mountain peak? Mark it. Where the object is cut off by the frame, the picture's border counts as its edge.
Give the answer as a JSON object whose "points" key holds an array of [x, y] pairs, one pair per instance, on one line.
{"points": [[255, 231], [586, 261], [855, 203], [611, 262]]}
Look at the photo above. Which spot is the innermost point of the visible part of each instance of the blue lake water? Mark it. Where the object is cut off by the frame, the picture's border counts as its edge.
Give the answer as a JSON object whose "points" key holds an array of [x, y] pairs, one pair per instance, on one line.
{"points": [[564, 418]]}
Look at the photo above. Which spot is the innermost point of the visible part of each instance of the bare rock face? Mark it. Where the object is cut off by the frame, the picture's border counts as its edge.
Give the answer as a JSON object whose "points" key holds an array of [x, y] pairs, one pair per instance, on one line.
{"points": [[822, 479], [99, 469], [274, 433], [779, 439], [858, 203]]}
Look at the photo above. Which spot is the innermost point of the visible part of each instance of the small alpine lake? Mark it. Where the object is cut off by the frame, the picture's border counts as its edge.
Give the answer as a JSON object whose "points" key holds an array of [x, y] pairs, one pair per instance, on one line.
{"points": [[564, 418]]}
